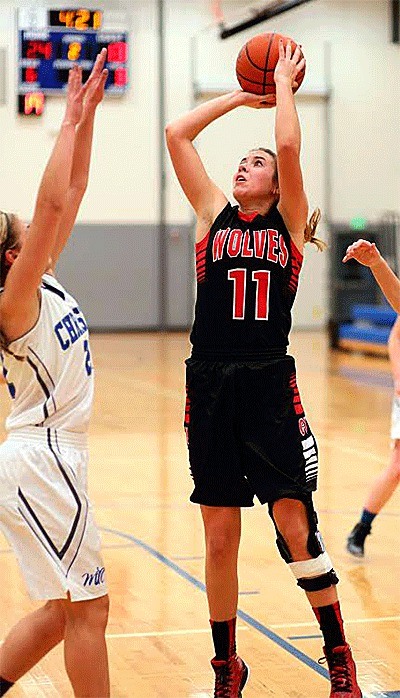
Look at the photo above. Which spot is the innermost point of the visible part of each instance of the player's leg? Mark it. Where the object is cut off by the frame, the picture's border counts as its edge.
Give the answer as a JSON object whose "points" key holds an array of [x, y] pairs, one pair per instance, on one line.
{"points": [[85, 649], [221, 489], [29, 641], [300, 545], [380, 493], [222, 526]]}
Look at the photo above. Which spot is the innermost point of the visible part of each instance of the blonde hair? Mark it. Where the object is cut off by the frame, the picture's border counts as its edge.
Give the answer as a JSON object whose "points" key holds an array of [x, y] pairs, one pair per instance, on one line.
{"points": [[9, 239], [311, 228]]}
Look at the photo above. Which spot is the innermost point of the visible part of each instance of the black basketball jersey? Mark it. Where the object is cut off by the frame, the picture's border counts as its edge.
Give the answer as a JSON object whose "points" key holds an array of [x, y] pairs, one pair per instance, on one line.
{"points": [[247, 276]]}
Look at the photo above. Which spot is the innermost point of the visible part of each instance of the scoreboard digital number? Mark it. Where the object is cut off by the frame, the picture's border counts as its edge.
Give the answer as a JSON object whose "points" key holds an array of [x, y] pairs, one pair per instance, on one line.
{"points": [[69, 37]]}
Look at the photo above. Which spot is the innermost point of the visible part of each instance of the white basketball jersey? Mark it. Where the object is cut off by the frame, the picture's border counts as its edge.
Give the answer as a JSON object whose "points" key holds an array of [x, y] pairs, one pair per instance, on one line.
{"points": [[52, 386]]}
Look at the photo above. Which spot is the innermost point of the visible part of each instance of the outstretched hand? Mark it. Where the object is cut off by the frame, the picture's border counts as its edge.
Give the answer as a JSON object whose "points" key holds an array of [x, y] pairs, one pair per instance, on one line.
{"points": [[86, 96], [289, 66], [75, 95], [364, 252], [96, 81]]}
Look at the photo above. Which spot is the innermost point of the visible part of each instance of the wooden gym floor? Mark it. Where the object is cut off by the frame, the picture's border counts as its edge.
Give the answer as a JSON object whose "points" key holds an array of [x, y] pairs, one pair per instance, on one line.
{"points": [[158, 633]]}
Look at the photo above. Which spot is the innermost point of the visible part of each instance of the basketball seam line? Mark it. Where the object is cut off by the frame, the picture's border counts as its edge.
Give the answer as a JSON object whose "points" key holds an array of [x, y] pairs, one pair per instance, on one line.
{"points": [[267, 59], [252, 62]]}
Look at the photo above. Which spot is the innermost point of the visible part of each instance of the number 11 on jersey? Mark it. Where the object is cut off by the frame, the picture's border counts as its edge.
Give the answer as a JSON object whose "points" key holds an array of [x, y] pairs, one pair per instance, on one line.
{"points": [[262, 279]]}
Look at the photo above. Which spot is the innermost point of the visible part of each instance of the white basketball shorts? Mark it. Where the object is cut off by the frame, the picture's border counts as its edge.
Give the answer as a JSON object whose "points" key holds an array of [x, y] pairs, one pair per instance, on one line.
{"points": [[395, 430], [46, 516]]}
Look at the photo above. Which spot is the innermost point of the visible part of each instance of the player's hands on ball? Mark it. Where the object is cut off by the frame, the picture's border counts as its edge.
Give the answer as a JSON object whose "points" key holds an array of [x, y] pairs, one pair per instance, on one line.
{"points": [[364, 252], [288, 66], [248, 99]]}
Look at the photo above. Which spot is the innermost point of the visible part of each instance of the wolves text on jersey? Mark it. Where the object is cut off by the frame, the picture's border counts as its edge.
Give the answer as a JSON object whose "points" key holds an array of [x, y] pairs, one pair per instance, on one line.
{"points": [[70, 328], [254, 243]]}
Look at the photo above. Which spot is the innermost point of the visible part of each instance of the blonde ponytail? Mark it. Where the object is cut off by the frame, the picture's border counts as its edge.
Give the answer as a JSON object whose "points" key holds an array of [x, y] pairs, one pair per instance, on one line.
{"points": [[8, 240], [311, 228]]}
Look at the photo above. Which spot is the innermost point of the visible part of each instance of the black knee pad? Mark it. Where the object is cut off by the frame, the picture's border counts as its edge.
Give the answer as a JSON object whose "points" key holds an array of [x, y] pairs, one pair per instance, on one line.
{"points": [[324, 581]]}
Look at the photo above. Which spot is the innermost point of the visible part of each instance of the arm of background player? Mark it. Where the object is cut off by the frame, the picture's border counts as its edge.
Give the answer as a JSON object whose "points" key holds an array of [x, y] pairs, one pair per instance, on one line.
{"points": [[19, 304], [292, 199], [82, 154], [394, 354], [366, 253]]}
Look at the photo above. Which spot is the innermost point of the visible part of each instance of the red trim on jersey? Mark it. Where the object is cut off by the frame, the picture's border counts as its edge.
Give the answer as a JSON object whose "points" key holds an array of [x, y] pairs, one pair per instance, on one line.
{"points": [[297, 261], [201, 251], [248, 217], [202, 244], [298, 407]]}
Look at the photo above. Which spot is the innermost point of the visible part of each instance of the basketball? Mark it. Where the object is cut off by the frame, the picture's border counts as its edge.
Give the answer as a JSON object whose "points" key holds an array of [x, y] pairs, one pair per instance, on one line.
{"points": [[256, 63]]}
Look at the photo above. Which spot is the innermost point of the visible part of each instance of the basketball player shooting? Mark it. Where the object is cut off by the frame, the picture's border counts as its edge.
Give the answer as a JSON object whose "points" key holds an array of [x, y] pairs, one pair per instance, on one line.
{"points": [[246, 429], [44, 510]]}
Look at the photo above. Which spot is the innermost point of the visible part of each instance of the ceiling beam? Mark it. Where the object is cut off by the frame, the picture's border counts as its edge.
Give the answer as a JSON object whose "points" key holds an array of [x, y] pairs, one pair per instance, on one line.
{"points": [[261, 16], [396, 21]]}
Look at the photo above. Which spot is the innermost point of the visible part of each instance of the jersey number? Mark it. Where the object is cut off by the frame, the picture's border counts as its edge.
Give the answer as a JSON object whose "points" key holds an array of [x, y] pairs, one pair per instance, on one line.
{"points": [[88, 358], [239, 278]]}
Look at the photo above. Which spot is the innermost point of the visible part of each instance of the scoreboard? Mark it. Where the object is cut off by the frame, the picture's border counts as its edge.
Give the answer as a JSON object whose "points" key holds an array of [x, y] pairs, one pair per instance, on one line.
{"points": [[52, 41]]}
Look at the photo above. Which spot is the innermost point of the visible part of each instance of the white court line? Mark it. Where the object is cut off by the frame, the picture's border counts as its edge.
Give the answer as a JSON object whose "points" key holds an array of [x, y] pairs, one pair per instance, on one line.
{"points": [[161, 633], [382, 619], [351, 451], [154, 389]]}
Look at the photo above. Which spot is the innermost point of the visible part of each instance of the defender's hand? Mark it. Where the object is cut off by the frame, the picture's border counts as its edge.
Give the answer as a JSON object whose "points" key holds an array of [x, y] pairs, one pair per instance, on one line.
{"points": [[96, 82], [75, 94]]}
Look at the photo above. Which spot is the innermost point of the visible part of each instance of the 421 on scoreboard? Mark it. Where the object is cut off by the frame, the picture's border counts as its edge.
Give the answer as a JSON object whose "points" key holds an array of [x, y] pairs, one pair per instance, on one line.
{"points": [[51, 41]]}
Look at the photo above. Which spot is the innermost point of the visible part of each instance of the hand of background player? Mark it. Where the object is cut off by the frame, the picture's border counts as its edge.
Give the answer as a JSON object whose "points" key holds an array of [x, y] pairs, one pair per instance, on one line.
{"points": [[288, 66], [96, 82], [248, 99], [364, 252]]}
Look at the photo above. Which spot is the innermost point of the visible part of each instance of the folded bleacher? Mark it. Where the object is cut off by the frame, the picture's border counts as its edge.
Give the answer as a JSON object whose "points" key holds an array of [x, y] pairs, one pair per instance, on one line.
{"points": [[369, 329]]}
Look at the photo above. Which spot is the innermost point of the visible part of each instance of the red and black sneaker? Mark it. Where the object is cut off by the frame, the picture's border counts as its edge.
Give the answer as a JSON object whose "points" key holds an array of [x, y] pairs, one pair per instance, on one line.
{"points": [[342, 672], [230, 677]]}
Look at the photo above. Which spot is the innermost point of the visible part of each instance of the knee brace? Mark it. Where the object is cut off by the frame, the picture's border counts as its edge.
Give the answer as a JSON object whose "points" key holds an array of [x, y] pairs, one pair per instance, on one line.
{"points": [[315, 574]]}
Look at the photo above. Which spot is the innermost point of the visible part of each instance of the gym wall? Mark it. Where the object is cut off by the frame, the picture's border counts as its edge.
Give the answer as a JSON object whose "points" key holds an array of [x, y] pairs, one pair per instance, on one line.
{"points": [[356, 134]]}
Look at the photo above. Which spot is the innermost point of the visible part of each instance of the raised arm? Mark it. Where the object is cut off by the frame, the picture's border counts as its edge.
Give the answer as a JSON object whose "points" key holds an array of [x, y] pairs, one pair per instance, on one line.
{"points": [[292, 200], [367, 253], [19, 303], [394, 355], [82, 154], [203, 194]]}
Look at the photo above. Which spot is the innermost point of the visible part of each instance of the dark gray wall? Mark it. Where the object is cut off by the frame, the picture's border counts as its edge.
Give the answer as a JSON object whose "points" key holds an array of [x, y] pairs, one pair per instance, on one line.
{"points": [[114, 271]]}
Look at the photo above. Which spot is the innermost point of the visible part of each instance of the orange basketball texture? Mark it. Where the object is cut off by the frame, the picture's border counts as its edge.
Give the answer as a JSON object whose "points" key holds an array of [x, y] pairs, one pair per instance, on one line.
{"points": [[256, 63]]}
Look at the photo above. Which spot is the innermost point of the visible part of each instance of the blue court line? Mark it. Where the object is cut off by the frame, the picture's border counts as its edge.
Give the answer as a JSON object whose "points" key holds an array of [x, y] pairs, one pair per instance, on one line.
{"points": [[380, 379], [253, 622]]}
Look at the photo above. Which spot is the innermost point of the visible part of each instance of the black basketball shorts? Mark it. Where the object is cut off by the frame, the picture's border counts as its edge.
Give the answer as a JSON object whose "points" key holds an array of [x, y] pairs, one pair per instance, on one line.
{"points": [[247, 433]]}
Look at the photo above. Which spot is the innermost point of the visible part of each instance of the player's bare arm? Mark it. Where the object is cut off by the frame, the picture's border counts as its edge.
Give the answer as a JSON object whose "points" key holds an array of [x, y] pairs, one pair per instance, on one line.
{"points": [[202, 193], [367, 253], [19, 305], [82, 154], [292, 201], [394, 355]]}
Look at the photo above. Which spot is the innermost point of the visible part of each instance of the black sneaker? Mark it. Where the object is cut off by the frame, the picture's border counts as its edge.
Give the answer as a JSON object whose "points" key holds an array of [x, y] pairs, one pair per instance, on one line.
{"points": [[356, 539]]}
